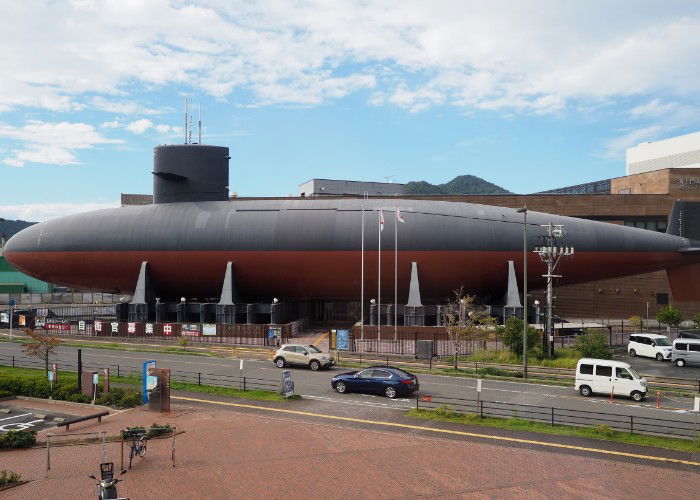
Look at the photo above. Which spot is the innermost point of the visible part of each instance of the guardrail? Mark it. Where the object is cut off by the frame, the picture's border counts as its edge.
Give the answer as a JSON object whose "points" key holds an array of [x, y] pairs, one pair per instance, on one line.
{"points": [[634, 424], [237, 381], [534, 372]]}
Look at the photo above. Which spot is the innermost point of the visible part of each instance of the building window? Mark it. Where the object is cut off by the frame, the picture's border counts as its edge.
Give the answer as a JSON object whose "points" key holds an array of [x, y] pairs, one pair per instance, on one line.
{"points": [[662, 299], [655, 224]]}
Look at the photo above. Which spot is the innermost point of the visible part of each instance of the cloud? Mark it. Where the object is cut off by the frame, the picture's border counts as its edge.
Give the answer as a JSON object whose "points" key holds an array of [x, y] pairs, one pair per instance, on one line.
{"points": [[499, 55], [37, 212], [50, 143], [139, 126], [615, 148]]}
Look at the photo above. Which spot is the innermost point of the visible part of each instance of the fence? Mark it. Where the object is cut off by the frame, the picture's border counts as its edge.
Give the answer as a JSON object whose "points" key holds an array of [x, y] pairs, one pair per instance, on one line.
{"points": [[28, 299], [564, 416], [237, 381]]}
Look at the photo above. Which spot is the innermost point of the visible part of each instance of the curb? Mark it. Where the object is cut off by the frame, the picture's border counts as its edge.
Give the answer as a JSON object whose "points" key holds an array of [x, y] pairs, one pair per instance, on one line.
{"points": [[61, 402]]}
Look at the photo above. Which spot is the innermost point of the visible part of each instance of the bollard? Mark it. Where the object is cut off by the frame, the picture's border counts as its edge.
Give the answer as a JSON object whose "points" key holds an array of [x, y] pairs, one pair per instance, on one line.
{"points": [[658, 399], [13, 361], [117, 370], [199, 378], [612, 390]]}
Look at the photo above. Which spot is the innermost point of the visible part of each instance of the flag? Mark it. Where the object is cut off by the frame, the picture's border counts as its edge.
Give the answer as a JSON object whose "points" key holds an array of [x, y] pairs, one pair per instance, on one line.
{"points": [[399, 217], [381, 220]]}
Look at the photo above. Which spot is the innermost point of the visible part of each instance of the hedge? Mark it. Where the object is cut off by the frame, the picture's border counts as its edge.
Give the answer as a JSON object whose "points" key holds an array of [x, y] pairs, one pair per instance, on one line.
{"points": [[66, 390], [17, 439]]}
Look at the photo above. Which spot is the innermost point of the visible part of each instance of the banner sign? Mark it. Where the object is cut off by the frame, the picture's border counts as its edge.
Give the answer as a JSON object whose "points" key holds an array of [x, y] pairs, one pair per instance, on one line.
{"points": [[342, 340], [190, 329], [274, 332], [149, 328], [81, 326], [167, 329], [287, 384], [4, 318], [98, 326], [131, 327], [147, 365], [209, 329], [56, 326], [22, 320]]}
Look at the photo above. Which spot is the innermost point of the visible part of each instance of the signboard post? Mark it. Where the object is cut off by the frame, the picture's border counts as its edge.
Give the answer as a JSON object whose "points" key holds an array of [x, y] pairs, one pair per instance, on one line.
{"points": [[275, 332], [696, 409], [95, 381], [287, 384], [145, 377], [51, 376], [478, 390], [12, 309]]}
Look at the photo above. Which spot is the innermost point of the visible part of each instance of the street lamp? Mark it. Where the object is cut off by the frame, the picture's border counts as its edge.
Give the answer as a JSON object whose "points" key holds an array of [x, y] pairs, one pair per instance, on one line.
{"points": [[524, 212], [537, 311]]}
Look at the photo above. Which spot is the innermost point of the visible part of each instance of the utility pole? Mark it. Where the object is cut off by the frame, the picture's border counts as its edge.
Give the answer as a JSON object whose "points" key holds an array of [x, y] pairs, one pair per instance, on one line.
{"points": [[525, 325], [551, 254]]}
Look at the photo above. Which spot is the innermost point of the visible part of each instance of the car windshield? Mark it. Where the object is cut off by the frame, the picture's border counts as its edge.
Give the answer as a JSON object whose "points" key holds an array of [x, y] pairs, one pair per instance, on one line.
{"points": [[662, 341], [313, 348], [634, 373]]}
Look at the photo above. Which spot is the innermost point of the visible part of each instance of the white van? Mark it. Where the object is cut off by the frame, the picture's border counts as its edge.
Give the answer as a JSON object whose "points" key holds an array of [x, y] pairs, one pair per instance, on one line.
{"points": [[686, 352], [650, 345], [604, 376]]}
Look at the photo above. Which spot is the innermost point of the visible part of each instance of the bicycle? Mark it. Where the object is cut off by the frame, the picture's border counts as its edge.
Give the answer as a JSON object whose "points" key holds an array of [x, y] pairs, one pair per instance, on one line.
{"points": [[138, 447]]}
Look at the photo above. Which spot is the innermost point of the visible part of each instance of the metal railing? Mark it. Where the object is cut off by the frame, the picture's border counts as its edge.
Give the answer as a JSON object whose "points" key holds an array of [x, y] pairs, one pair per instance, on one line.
{"points": [[634, 424], [237, 381]]}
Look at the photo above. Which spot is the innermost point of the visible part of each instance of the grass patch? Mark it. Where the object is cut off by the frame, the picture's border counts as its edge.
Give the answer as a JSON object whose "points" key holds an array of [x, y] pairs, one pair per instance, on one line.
{"points": [[602, 432], [114, 346], [566, 357]]}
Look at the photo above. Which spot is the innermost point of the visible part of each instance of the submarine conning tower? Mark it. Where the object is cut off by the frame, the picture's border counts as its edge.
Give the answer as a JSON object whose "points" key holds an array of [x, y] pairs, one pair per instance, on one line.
{"points": [[190, 172]]}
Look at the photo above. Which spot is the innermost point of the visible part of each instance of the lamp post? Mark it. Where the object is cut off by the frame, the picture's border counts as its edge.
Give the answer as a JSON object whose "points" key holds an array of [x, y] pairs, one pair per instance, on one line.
{"points": [[524, 212]]}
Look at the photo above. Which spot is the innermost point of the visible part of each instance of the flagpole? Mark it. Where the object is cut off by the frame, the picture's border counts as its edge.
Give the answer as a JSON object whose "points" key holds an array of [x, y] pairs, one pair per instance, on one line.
{"points": [[362, 278], [396, 270], [379, 281]]}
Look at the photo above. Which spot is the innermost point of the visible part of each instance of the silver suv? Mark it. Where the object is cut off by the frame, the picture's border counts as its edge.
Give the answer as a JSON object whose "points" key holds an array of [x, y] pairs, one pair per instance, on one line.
{"points": [[303, 355]]}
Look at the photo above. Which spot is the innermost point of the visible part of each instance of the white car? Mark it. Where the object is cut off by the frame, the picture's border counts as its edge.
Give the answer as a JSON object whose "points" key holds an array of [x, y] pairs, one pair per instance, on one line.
{"points": [[649, 345], [604, 376]]}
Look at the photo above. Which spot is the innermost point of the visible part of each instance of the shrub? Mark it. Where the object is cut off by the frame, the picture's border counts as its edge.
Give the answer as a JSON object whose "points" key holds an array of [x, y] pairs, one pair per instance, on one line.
{"points": [[511, 334], [593, 344], [446, 411], [159, 430], [130, 399], [9, 477], [635, 323], [696, 320], [669, 315], [18, 439], [5, 394], [183, 342]]}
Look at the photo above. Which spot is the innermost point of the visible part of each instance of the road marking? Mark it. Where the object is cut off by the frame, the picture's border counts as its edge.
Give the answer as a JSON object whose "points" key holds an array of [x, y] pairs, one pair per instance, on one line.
{"points": [[16, 416], [445, 431]]}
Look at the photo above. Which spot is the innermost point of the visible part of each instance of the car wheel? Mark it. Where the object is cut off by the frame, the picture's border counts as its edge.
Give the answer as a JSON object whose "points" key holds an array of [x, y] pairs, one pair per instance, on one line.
{"points": [[341, 387], [659, 357], [390, 392], [633, 353], [280, 362], [680, 362], [314, 365], [585, 391], [637, 396]]}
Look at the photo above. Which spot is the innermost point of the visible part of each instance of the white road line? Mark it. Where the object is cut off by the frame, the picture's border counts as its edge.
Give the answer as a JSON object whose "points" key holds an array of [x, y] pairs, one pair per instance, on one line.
{"points": [[16, 416]]}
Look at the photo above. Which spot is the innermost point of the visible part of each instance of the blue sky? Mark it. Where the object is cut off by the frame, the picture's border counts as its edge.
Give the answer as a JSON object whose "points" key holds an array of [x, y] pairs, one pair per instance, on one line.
{"points": [[530, 96]]}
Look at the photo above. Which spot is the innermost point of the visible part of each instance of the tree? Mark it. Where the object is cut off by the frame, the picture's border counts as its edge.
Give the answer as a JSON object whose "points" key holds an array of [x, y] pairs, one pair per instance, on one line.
{"points": [[511, 334], [593, 344], [670, 316], [465, 321], [182, 342], [635, 323], [696, 320], [42, 347]]}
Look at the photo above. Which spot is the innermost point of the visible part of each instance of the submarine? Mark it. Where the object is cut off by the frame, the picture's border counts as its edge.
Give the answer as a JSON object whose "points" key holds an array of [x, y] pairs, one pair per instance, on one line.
{"points": [[311, 248]]}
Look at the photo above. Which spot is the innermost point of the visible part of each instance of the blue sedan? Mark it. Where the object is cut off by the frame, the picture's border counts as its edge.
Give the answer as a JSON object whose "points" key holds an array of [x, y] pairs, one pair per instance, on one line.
{"points": [[386, 380]]}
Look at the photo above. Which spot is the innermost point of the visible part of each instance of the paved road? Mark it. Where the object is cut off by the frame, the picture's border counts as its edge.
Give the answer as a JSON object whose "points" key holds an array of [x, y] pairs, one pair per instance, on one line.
{"points": [[649, 366], [316, 384]]}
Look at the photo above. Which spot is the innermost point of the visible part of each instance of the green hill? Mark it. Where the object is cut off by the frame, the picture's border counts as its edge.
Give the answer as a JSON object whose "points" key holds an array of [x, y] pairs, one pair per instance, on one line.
{"points": [[462, 184]]}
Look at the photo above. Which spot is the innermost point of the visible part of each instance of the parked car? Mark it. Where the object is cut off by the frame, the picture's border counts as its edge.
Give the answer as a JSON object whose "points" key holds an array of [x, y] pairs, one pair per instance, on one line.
{"points": [[386, 380], [604, 376], [689, 334], [686, 352], [303, 355], [650, 345]]}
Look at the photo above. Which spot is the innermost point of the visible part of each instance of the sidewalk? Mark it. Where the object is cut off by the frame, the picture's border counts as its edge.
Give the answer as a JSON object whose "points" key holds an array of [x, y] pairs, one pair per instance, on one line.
{"points": [[247, 452]]}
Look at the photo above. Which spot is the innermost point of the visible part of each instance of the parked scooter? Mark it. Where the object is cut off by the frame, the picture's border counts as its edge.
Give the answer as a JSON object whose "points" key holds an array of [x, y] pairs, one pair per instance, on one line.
{"points": [[107, 487]]}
